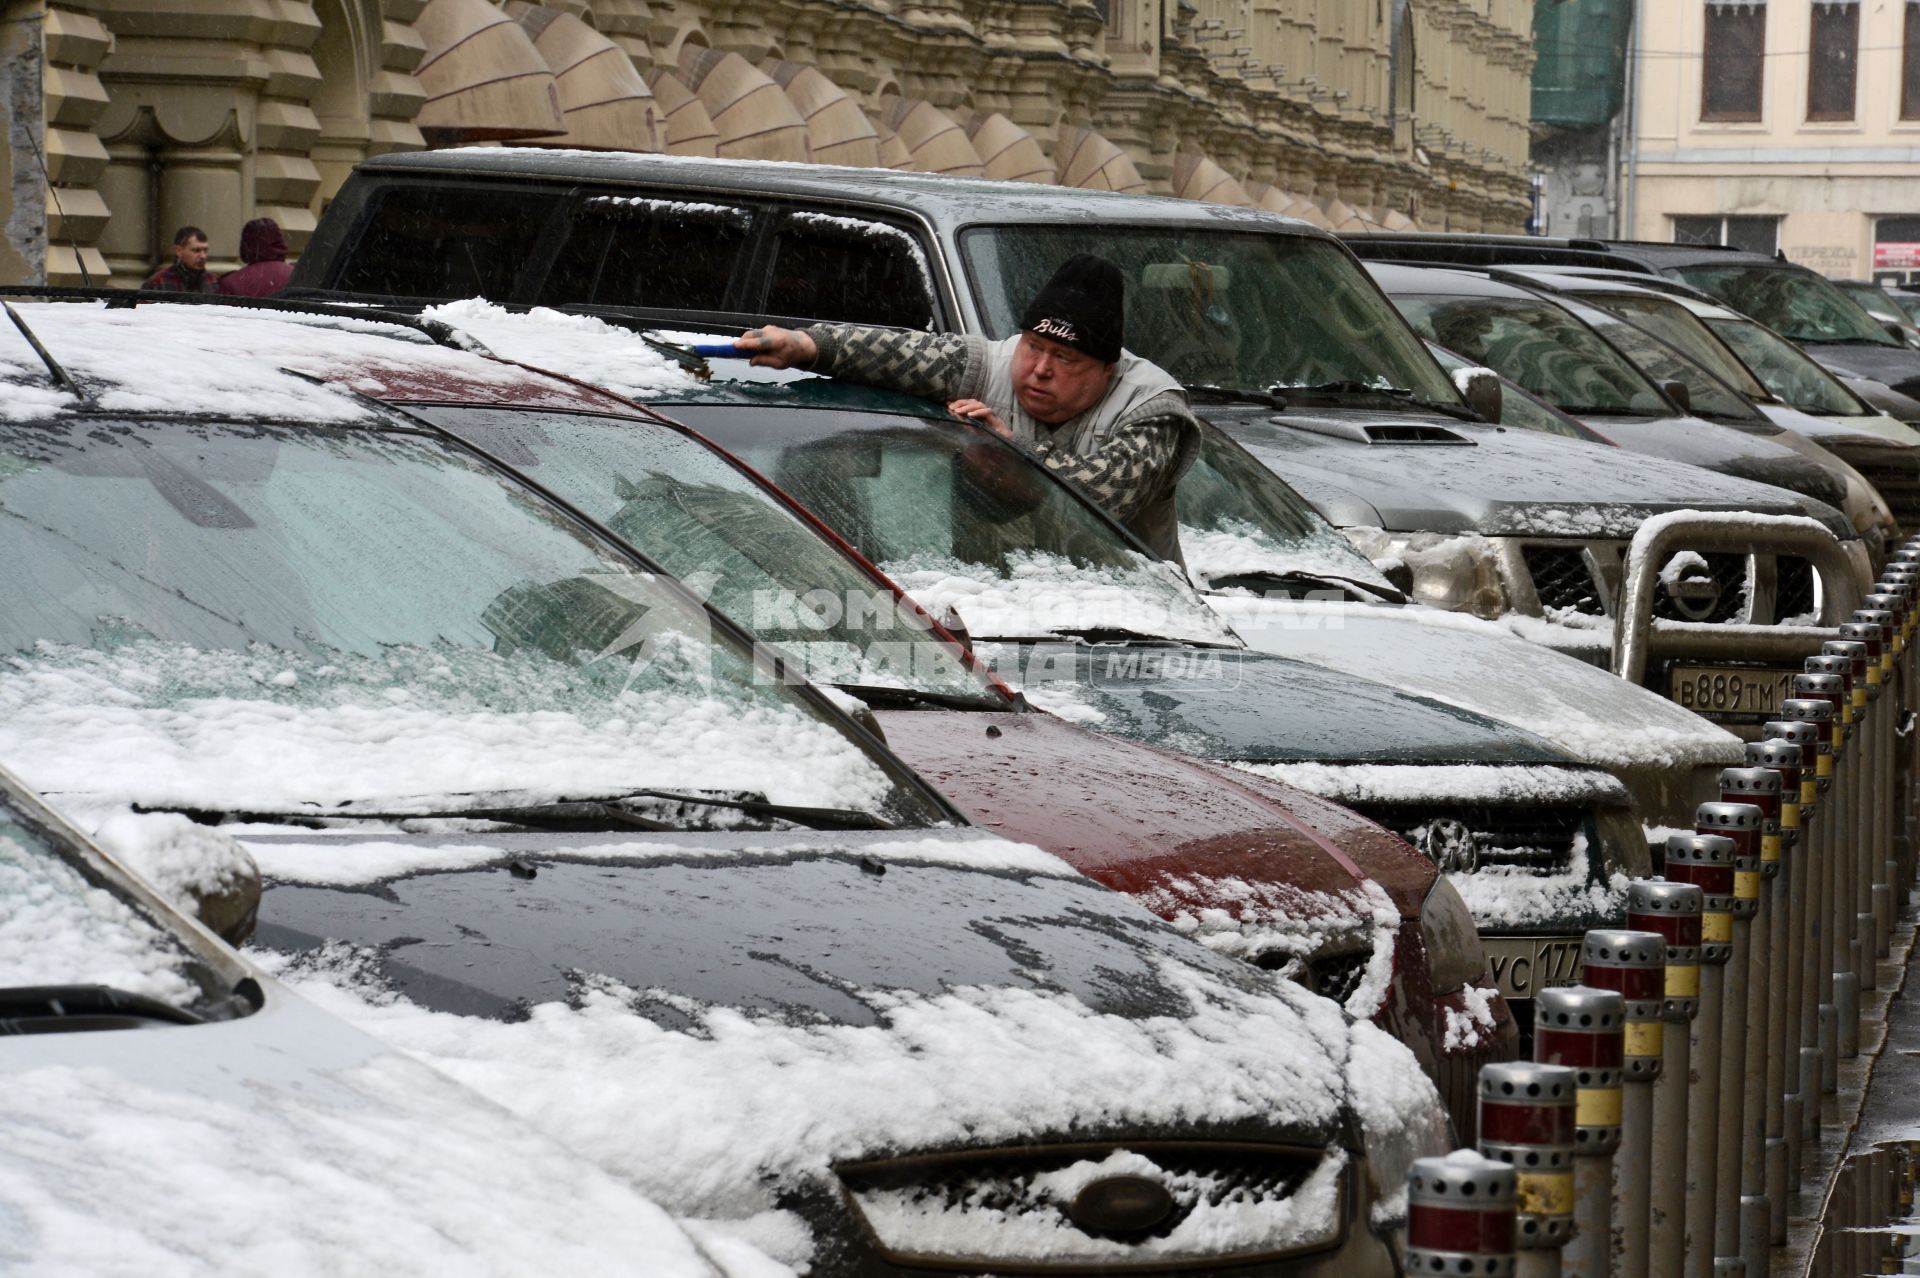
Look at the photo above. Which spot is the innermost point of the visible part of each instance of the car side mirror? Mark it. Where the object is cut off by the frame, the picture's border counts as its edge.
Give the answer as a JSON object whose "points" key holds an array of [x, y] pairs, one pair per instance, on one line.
{"points": [[1480, 387], [1679, 394], [1898, 332]]}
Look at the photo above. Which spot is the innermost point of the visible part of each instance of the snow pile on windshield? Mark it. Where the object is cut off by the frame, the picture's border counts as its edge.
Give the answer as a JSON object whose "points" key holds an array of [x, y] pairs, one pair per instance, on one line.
{"points": [[718, 1119], [359, 861], [168, 725], [1273, 917], [1501, 896], [576, 345], [1045, 595], [1366, 783], [57, 929], [184, 861], [377, 1168], [1237, 548]]}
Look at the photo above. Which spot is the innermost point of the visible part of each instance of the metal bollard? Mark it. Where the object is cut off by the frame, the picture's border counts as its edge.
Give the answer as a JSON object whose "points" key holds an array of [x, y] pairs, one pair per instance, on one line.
{"points": [[1824, 886], [1460, 1216], [1784, 1115], [1763, 1152], [1874, 626], [1740, 1208], [1803, 979], [1584, 1029], [1845, 854], [1878, 809], [1672, 910], [1706, 862], [1633, 965], [1527, 1121]]}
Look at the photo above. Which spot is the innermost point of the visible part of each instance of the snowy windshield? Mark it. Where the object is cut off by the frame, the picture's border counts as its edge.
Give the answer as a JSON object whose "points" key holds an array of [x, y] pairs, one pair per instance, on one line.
{"points": [[682, 504], [257, 618], [58, 928], [1235, 309], [1540, 346], [962, 520], [1796, 304], [1788, 371], [1241, 525]]}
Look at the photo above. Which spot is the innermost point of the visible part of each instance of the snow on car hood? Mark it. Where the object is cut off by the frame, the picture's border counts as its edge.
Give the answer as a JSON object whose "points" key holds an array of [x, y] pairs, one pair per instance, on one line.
{"points": [[1508, 482], [722, 1031], [168, 725], [1594, 716], [287, 1142]]}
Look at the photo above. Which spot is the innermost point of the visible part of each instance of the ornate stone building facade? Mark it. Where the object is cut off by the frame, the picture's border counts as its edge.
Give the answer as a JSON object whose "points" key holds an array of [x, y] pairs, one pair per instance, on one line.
{"points": [[127, 118]]}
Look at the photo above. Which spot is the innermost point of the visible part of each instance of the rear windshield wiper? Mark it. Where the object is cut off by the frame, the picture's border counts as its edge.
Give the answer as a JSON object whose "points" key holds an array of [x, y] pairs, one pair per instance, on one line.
{"points": [[1292, 577], [653, 810], [67, 1009]]}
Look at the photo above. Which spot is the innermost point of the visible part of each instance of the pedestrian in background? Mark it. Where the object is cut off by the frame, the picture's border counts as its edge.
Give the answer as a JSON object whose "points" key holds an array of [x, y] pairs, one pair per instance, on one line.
{"points": [[187, 272], [264, 250]]}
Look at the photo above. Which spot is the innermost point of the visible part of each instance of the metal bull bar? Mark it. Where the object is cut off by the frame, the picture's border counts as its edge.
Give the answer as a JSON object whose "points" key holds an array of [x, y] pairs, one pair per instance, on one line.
{"points": [[1637, 641]]}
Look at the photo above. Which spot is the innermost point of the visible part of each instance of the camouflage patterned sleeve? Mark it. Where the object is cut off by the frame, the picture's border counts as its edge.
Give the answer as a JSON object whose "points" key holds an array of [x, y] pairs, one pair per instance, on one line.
{"points": [[930, 365], [1129, 471]]}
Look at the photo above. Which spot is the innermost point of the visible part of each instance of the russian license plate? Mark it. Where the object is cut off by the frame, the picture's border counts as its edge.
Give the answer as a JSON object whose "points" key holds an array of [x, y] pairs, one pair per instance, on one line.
{"points": [[1524, 965], [1730, 691]]}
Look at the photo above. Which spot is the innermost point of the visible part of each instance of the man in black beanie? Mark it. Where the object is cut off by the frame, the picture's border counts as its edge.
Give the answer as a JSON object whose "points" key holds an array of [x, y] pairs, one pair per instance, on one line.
{"points": [[1062, 387]]}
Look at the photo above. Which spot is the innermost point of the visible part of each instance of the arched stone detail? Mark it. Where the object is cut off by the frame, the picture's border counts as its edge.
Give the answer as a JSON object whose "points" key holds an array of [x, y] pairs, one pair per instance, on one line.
{"points": [[604, 102], [689, 130], [893, 152], [1007, 151], [935, 143], [1084, 158], [74, 215], [754, 118], [837, 129], [1198, 177], [484, 80]]}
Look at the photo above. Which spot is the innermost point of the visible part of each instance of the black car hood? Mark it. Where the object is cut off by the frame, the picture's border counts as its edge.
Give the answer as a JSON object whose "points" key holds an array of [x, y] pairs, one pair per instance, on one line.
{"points": [[806, 929], [1254, 707], [1896, 366], [1741, 453], [1500, 482]]}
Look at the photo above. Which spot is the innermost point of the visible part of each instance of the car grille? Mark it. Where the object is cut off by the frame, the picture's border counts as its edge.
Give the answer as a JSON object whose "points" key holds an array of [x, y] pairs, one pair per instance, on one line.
{"points": [[1898, 481], [1463, 838], [977, 1193], [1729, 600], [1562, 581]]}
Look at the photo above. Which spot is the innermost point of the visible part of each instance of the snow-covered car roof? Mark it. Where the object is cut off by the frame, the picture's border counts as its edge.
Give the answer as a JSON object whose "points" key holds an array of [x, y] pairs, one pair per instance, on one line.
{"points": [[258, 1133]]}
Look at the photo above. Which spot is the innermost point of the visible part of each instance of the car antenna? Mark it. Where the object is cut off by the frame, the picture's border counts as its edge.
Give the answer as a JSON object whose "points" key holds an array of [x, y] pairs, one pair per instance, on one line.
{"points": [[61, 377], [79, 258]]}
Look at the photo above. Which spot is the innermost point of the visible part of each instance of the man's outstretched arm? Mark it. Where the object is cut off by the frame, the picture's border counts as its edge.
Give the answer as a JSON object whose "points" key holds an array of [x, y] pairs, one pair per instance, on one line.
{"points": [[1129, 471], [930, 365]]}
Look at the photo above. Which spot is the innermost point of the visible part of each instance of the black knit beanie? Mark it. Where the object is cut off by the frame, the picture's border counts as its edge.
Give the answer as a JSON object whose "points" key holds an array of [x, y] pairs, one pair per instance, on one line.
{"points": [[1082, 306]]}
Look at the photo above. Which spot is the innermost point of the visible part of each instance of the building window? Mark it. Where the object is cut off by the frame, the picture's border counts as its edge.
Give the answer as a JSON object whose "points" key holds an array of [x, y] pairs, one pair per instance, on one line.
{"points": [[1753, 234], [1833, 59], [1910, 65], [1735, 60]]}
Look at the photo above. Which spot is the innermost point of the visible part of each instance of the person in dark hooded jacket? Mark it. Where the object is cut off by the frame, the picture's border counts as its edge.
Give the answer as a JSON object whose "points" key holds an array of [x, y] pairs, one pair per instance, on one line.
{"points": [[264, 250]]}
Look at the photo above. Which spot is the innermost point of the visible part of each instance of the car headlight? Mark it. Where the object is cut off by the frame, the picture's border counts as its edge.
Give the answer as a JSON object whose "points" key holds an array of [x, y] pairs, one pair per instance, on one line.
{"points": [[1457, 573], [1456, 957]]}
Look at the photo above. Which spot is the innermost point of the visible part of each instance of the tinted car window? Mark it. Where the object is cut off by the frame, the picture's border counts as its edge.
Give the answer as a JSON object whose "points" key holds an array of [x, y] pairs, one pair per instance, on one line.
{"points": [[1539, 346], [637, 251], [445, 241], [1796, 304], [1788, 371], [1711, 396], [849, 269]]}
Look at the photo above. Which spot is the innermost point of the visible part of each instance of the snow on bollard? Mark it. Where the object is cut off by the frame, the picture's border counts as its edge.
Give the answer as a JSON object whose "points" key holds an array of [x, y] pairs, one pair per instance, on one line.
{"points": [[1460, 1216], [1633, 965], [1584, 1029], [1706, 862], [1672, 910], [1527, 1120]]}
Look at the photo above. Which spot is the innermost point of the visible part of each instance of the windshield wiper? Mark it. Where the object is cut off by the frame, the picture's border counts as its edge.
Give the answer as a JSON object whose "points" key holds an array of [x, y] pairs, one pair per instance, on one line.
{"points": [[66, 1009], [1236, 394], [1268, 578], [1121, 634], [1398, 394], [653, 810], [916, 698]]}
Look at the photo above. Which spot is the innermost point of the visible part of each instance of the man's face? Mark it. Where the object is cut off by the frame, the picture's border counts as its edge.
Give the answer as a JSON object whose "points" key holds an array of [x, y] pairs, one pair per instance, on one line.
{"points": [[192, 254], [1054, 382]]}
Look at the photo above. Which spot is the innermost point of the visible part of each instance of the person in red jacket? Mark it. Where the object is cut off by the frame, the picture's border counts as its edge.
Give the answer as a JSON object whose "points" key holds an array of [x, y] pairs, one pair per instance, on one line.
{"points": [[187, 272], [264, 250]]}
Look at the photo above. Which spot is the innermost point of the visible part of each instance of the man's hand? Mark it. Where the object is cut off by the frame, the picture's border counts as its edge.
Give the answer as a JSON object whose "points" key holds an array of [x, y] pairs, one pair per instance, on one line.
{"points": [[974, 410], [774, 347]]}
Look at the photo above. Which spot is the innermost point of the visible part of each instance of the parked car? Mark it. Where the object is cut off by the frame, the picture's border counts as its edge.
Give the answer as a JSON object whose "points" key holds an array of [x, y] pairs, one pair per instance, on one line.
{"points": [[1797, 303], [531, 810], [1877, 302], [1255, 869], [172, 1108]]}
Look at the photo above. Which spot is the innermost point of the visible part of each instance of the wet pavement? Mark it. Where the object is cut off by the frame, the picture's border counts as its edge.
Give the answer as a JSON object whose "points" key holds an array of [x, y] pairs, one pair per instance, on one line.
{"points": [[1856, 1210]]}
